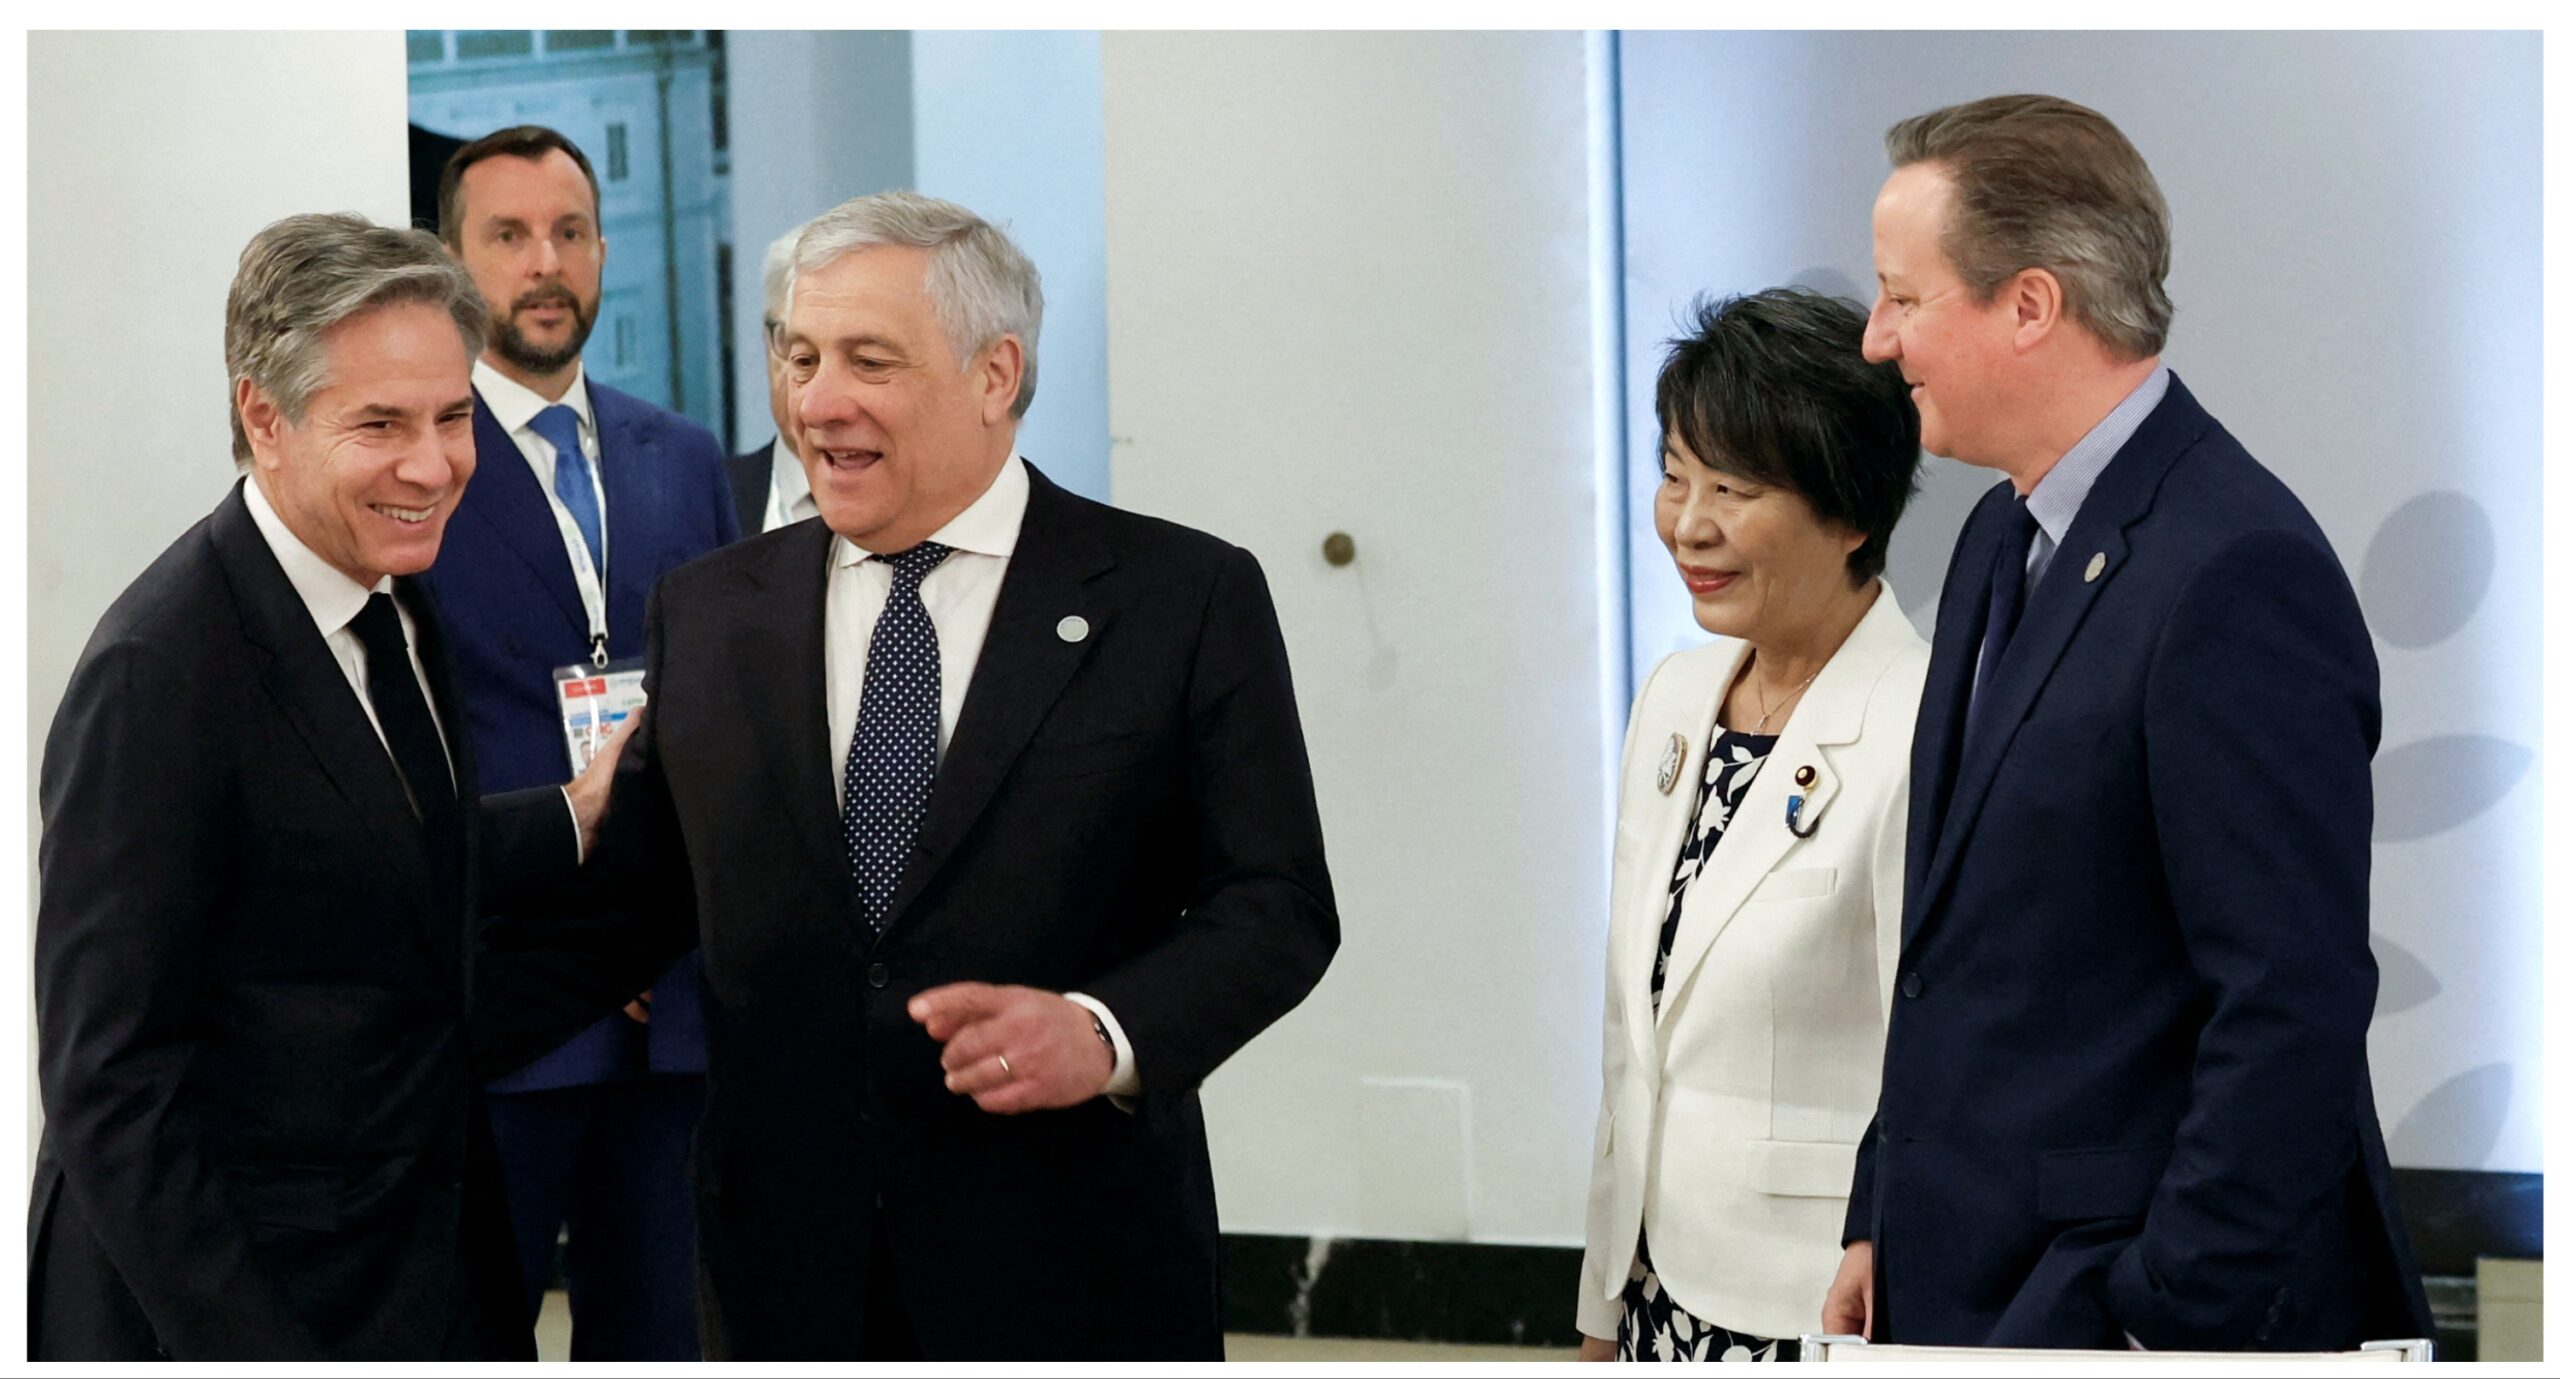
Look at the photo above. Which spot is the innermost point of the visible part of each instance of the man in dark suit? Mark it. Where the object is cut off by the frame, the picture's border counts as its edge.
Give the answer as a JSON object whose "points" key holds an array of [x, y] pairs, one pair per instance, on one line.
{"points": [[995, 814], [770, 488], [585, 496], [263, 1135], [2125, 1097]]}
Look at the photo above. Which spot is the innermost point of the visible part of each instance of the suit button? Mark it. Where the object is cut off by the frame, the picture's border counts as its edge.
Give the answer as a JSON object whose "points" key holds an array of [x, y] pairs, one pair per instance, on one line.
{"points": [[1911, 987], [878, 976]]}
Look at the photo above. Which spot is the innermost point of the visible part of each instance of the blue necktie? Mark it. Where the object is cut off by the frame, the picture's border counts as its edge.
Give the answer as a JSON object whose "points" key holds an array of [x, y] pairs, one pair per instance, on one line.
{"points": [[2008, 600], [570, 477], [888, 773]]}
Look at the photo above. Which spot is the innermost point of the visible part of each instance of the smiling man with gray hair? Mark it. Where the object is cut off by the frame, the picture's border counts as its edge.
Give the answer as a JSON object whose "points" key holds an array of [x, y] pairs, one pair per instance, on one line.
{"points": [[261, 867], [995, 819]]}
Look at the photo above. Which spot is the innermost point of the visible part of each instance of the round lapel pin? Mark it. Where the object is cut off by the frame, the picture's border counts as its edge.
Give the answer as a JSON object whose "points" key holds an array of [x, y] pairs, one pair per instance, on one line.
{"points": [[2097, 567], [1668, 773], [1072, 628]]}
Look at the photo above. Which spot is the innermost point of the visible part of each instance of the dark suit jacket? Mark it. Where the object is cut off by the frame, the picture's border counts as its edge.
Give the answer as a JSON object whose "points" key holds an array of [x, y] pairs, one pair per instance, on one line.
{"points": [[2124, 1085], [262, 1137], [751, 485], [1129, 815], [512, 613]]}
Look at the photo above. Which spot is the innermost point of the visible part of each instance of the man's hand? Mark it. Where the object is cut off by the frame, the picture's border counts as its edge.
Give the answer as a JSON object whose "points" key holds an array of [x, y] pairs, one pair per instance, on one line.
{"points": [[1014, 1048], [639, 1007], [1849, 1308], [593, 788], [1593, 1348]]}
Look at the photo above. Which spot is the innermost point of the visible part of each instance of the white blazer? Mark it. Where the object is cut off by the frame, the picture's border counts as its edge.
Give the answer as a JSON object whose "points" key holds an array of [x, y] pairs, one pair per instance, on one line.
{"points": [[1730, 1129]]}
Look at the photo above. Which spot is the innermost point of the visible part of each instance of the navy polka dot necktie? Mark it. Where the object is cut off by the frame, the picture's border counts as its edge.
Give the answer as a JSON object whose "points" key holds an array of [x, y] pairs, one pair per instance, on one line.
{"points": [[888, 774]]}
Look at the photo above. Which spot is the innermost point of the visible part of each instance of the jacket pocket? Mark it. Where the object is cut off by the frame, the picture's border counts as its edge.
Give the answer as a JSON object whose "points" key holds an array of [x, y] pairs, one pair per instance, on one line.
{"points": [[2087, 1184], [1799, 1168], [1796, 883]]}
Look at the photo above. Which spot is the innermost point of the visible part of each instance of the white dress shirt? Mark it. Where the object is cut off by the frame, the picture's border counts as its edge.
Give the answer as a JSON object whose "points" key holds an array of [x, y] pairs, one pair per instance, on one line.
{"points": [[960, 596], [787, 498], [333, 601]]}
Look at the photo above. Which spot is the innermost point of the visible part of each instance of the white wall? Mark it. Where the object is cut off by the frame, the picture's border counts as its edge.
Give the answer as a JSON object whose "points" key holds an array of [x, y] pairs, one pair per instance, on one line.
{"points": [[151, 160], [1351, 289], [1010, 126], [2358, 280]]}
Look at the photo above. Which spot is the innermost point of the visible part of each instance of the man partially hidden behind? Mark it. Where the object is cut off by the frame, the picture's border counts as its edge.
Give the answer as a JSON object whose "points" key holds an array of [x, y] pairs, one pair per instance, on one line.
{"points": [[994, 812], [769, 485], [2125, 1097], [585, 496], [260, 868]]}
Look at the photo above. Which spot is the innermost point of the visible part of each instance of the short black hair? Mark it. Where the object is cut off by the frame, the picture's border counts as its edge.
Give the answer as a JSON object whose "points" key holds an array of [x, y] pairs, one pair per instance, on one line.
{"points": [[527, 141], [1772, 388]]}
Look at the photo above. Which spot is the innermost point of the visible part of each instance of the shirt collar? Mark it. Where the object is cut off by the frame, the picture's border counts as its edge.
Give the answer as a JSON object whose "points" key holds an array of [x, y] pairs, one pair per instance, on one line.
{"points": [[515, 405], [989, 526], [790, 481], [332, 599], [2059, 494]]}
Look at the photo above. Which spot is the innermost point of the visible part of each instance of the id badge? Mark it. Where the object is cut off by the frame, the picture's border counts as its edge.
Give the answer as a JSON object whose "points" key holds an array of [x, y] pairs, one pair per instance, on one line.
{"points": [[593, 702]]}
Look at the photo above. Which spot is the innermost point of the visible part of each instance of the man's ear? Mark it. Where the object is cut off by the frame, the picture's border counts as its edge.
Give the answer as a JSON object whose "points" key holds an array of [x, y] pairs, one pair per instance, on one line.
{"points": [[1001, 364], [260, 419], [2035, 302]]}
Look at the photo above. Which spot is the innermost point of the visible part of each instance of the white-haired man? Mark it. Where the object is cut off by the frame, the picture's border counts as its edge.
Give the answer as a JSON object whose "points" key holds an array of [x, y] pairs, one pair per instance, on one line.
{"points": [[995, 816]]}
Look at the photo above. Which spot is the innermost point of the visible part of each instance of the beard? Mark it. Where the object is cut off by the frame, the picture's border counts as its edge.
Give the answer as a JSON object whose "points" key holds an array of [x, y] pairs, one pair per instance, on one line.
{"points": [[513, 347]]}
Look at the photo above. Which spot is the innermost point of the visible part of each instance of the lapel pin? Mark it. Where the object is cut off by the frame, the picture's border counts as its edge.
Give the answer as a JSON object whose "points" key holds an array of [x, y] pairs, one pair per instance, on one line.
{"points": [[2097, 567], [1673, 753], [1805, 777], [1072, 628]]}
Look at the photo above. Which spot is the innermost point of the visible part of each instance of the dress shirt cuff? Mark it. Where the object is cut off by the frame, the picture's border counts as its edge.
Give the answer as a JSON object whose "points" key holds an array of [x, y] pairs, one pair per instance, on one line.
{"points": [[575, 832], [1124, 1060]]}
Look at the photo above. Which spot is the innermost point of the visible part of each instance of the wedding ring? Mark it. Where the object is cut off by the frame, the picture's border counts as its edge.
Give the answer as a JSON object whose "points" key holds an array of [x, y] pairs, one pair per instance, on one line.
{"points": [[1001, 1063]]}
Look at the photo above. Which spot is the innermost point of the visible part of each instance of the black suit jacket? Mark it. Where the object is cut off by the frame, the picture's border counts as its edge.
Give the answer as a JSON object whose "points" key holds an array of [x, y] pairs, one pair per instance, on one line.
{"points": [[262, 1136], [751, 484], [1128, 814], [2125, 1087]]}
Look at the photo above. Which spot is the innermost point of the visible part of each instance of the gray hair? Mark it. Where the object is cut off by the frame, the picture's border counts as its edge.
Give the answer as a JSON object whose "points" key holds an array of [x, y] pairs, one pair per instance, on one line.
{"points": [[983, 288], [2043, 183], [777, 280], [305, 275]]}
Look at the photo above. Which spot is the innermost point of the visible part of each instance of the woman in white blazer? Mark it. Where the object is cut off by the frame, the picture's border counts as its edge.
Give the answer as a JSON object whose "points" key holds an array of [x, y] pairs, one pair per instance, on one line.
{"points": [[1756, 898]]}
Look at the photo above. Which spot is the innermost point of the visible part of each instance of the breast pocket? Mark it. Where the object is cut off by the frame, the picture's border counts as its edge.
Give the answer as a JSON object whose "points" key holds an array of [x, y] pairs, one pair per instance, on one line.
{"points": [[1048, 759], [1796, 883]]}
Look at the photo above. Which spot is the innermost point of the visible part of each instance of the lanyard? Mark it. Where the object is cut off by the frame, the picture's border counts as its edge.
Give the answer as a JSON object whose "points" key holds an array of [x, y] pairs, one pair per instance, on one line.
{"points": [[582, 565]]}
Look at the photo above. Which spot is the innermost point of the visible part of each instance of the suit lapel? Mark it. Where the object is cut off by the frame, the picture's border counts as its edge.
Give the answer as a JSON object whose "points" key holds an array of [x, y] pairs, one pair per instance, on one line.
{"points": [[1019, 675], [505, 496], [1937, 734], [780, 624], [306, 684], [1690, 711], [2074, 579], [627, 442], [1834, 712], [444, 923]]}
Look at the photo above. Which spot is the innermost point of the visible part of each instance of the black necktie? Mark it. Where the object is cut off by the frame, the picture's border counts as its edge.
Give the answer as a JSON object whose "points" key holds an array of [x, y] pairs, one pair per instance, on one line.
{"points": [[2008, 599], [401, 708], [888, 772]]}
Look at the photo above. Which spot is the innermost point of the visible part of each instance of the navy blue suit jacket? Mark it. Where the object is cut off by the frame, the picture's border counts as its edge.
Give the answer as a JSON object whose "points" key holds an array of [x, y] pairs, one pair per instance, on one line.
{"points": [[2125, 1087], [512, 611]]}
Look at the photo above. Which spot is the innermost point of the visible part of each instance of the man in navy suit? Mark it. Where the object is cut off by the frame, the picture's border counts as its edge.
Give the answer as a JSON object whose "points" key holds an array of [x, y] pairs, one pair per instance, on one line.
{"points": [[586, 496], [2125, 1096]]}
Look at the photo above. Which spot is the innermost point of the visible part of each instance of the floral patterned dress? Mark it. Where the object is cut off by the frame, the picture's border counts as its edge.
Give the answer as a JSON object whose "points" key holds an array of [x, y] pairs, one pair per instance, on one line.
{"points": [[1652, 1326]]}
